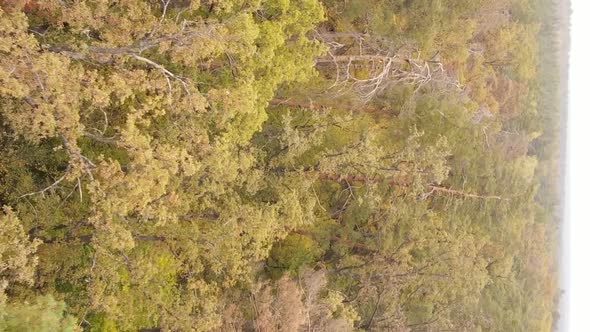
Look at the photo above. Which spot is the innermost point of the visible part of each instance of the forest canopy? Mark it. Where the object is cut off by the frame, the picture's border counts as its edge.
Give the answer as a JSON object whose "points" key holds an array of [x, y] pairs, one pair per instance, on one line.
{"points": [[278, 165]]}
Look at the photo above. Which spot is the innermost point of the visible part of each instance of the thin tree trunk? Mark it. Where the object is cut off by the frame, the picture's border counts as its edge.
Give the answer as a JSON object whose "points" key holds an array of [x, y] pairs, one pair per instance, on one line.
{"points": [[463, 193], [315, 104]]}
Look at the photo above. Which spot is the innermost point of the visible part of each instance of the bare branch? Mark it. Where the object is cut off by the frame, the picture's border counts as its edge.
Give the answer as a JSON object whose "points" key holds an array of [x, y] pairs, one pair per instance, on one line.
{"points": [[42, 191], [438, 189], [74, 152], [106, 121], [384, 70], [80, 189], [102, 139], [166, 72], [164, 10], [386, 65]]}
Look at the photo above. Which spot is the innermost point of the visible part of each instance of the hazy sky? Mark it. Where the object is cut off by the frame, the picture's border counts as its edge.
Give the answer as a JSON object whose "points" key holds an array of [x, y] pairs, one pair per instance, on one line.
{"points": [[578, 174]]}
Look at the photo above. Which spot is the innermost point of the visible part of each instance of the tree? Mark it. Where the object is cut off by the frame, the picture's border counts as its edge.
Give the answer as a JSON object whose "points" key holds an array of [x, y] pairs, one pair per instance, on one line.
{"points": [[17, 252], [277, 165], [134, 119], [45, 315]]}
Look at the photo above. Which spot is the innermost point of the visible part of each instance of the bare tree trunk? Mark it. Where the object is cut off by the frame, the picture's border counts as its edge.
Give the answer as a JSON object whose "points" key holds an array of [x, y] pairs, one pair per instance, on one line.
{"points": [[452, 192], [386, 63], [320, 104], [394, 181], [384, 71]]}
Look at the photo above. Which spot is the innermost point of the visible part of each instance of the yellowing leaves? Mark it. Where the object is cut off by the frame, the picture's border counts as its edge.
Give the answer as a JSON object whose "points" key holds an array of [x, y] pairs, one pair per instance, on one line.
{"points": [[17, 253]]}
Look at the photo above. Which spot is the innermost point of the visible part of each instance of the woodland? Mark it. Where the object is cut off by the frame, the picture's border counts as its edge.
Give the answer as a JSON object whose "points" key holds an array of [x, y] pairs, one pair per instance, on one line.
{"points": [[279, 165]]}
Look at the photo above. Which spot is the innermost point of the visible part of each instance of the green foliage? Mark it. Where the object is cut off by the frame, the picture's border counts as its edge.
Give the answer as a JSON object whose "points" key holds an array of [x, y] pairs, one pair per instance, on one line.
{"points": [[271, 165], [291, 253], [17, 257], [44, 315], [99, 323]]}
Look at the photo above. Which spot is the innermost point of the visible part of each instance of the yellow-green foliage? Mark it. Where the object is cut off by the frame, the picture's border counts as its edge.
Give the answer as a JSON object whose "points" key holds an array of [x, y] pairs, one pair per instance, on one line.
{"points": [[276, 165], [44, 315]]}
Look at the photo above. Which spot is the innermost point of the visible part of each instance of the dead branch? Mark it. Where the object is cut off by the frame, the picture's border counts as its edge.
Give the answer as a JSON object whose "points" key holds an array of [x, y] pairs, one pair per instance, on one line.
{"points": [[99, 138], [318, 104], [452, 192], [167, 74], [384, 71], [75, 153], [42, 191], [387, 65], [394, 181], [405, 182]]}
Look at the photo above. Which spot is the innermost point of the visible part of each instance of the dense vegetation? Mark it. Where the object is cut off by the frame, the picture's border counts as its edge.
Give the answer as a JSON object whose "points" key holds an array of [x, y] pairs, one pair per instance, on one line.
{"points": [[278, 165]]}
